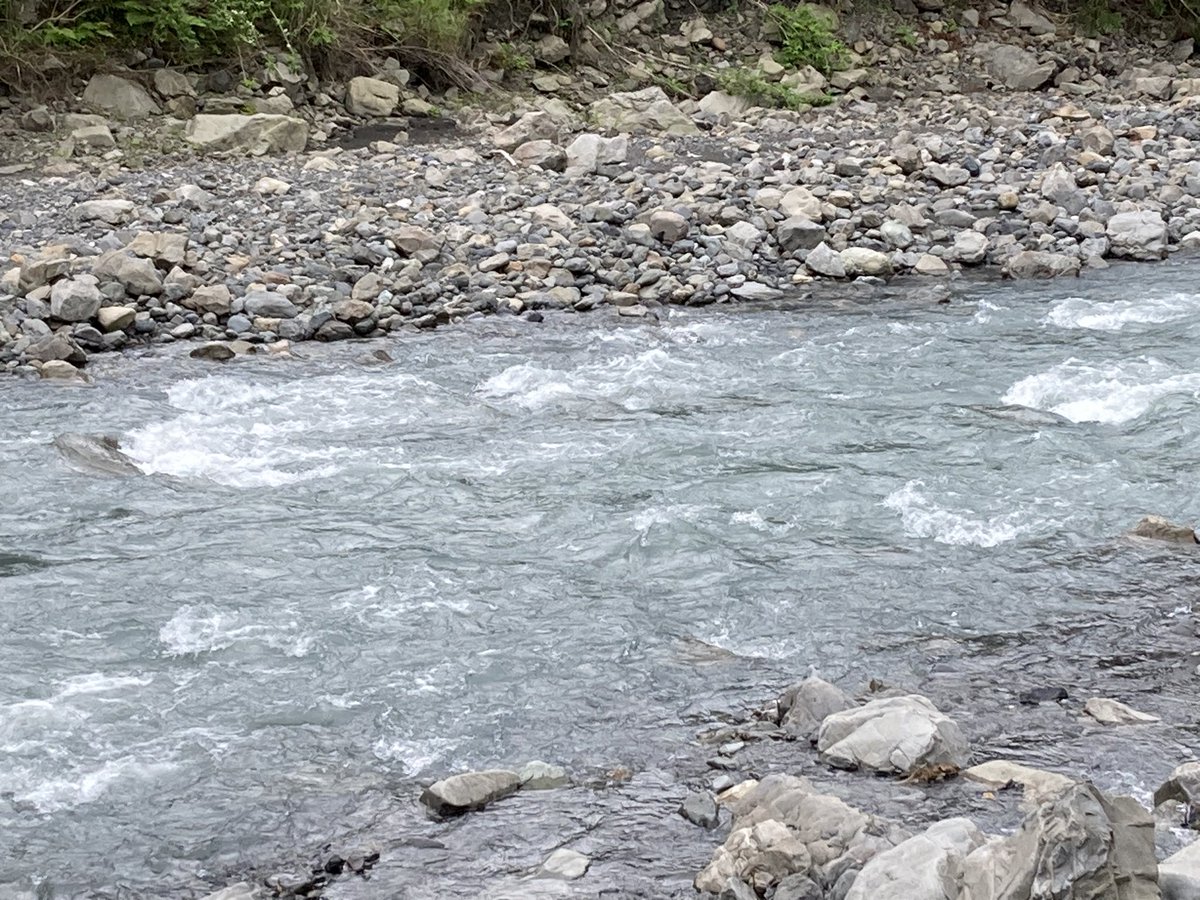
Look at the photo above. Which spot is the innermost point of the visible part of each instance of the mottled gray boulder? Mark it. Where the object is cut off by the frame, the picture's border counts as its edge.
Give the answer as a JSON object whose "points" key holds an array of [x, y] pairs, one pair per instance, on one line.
{"points": [[1159, 529], [76, 299], [699, 808], [947, 176], [257, 135], [668, 226], [214, 298], [719, 103], [1058, 186], [371, 97], [804, 706], [538, 125], [1018, 69], [648, 110], [893, 734], [1037, 785], [1025, 16], [798, 233], [1183, 785], [164, 247], [1080, 845], [551, 49], [588, 152], [469, 791], [412, 239], [1141, 234], [1041, 264], [56, 346], [824, 260], [136, 275], [545, 154], [970, 248], [799, 201], [119, 97], [1098, 139], [1179, 875], [111, 212], [269, 305], [864, 261], [925, 867], [173, 83], [93, 137]]}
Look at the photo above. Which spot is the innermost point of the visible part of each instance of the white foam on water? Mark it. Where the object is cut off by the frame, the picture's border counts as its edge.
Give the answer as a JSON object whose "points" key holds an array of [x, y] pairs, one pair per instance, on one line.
{"points": [[646, 519], [1114, 315], [1109, 394], [923, 518], [204, 628], [754, 519], [99, 683], [414, 756], [67, 792]]}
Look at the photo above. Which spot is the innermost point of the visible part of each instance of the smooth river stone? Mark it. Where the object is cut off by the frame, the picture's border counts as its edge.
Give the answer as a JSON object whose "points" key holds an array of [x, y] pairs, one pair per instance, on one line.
{"points": [[471, 790]]}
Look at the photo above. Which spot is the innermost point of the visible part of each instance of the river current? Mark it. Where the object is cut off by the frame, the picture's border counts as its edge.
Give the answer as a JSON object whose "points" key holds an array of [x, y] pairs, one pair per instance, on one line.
{"points": [[578, 541]]}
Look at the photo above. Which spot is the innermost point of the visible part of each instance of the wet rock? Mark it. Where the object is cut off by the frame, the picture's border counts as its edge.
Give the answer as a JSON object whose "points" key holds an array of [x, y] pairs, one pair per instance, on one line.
{"points": [[371, 97], [58, 369], [1159, 529], [120, 97], [700, 808], [755, 290], [893, 734], [1048, 694], [1183, 786], [541, 776], [804, 706], [1137, 235], [647, 110], [1113, 712], [76, 299], [214, 351], [798, 233], [55, 346], [1179, 874], [566, 864], [243, 890], [1081, 844], [925, 867], [1038, 784], [1041, 264], [823, 260], [469, 791], [257, 134]]}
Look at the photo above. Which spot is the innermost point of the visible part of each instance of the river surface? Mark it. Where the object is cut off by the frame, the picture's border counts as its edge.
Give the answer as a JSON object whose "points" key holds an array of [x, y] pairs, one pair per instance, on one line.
{"points": [[581, 541]]}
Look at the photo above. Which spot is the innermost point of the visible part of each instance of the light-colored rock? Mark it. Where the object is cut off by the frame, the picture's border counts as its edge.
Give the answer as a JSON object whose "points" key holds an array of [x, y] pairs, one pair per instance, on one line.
{"points": [[696, 31], [538, 125], [1183, 785], [55, 346], [1038, 784], [1018, 69], [551, 49], [970, 248], [824, 260], [165, 247], [94, 137], [700, 808], [755, 290], [744, 234], [925, 867], [371, 97], [566, 864], [928, 264], [412, 240], [648, 110], [257, 134], [545, 154], [1179, 874], [271, 187], [863, 261], [892, 734], [540, 776], [668, 226], [116, 318], [719, 103], [268, 305], [75, 299], [243, 890], [1025, 16], [1041, 264], [470, 791], [551, 216], [214, 298], [1098, 139], [799, 201], [588, 152], [119, 97], [947, 176], [1113, 712], [136, 275], [59, 369], [804, 706], [111, 212], [1159, 529], [415, 106], [171, 83], [1141, 234]]}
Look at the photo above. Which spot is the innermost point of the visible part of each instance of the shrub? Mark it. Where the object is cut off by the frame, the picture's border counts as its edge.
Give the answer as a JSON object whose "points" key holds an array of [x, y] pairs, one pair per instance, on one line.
{"points": [[808, 39], [753, 87]]}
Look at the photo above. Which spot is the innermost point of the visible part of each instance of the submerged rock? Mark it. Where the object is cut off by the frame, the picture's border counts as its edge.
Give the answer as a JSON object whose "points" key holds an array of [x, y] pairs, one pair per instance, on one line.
{"points": [[1159, 529], [540, 776], [470, 791], [95, 453], [1114, 712], [894, 734], [566, 864]]}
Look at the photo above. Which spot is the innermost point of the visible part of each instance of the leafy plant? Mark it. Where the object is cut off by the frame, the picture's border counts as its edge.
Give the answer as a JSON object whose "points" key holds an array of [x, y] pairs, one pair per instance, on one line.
{"points": [[1097, 17], [507, 57], [906, 36], [750, 85], [808, 39]]}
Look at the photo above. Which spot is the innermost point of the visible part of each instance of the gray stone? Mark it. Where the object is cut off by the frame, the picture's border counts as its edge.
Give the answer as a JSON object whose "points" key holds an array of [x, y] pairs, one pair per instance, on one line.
{"points": [[138, 276], [1137, 235], [95, 137], [76, 299], [970, 248], [541, 776], [1179, 875], [798, 233], [928, 264], [804, 706], [1098, 139], [947, 176], [214, 298], [257, 134], [470, 791], [800, 201], [551, 49], [892, 734], [538, 125], [55, 346], [755, 290], [243, 890], [647, 110], [164, 247], [1113, 712], [119, 97], [823, 260], [863, 261], [700, 808], [588, 152], [1183, 785], [58, 368], [412, 239], [1024, 16], [897, 234], [371, 97], [545, 154], [1058, 186], [268, 305], [925, 867], [112, 212], [668, 226], [1159, 529], [1018, 69], [566, 864], [173, 83], [1041, 264], [214, 351], [719, 103], [744, 234], [1038, 785]]}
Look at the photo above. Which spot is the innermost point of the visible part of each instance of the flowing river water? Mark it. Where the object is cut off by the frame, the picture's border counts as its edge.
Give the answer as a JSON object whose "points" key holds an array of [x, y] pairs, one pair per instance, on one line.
{"points": [[584, 542]]}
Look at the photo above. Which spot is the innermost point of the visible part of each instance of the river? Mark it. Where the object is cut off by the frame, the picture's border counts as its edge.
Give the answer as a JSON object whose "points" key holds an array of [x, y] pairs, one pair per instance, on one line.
{"points": [[578, 541]]}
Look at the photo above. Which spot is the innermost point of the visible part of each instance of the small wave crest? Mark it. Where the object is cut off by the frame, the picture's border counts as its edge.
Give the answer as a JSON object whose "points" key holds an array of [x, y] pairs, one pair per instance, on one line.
{"points": [[1108, 394], [923, 518], [1114, 315], [204, 628], [76, 789]]}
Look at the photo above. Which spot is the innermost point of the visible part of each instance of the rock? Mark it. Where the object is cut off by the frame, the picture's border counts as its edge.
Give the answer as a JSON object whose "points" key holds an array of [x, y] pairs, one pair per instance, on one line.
{"points": [[1041, 264], [271, 187], [415, 106], [352, 311], [719, 103], [588, 152], [1018, 69], [268, 305], [1024, 16], [1179, 874], [76, 299], [533, 126], [371, 97], [696, 31], [551, 216], [970, 248], [58, 368], [120, 97], [1137, 235], [241, 891], [1183, 785], [545, 154], [50, 264], [333, 330], [566, 864], [928, 264], [862, 261], [540, 776], [116, 318], [412, 240], [55, 346], [700, 808], [804, 706], [214, 298], [893, 734], [925, 867], [1159, 529], [823, 260], [1080, 845], [798, 233], [1098, 139], [744, 234], [469, 791], [668, 226], [551, 49], [38, 119], [172, 83], [647, 110], [799, 201], [1039, 785], [94, 137], [112, 212], [214, 351], [1114, 712], [1058, 186], [165, 247], [138, 276], [947, 176], [257, 134], [755, 290]]}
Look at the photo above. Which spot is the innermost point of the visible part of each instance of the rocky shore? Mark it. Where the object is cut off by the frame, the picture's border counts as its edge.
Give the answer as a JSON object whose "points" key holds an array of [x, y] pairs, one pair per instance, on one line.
{"points": [[369, 223]]}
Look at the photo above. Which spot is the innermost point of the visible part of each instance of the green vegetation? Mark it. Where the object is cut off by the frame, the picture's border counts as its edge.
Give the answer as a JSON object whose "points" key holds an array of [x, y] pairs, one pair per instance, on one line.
{"points": [[508, 58], [807, 38], [906, 36], [750, 84], [1098, 18]]}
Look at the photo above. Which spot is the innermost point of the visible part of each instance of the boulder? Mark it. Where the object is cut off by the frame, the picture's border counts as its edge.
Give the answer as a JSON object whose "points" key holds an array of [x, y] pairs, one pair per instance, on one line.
{"points": [[1022, 15], [824, 260], [214, 298], [1041, 264], [119, 97], [925, 867], [167, 248], [1141, 234], [51, 263], [668, 226], [1159, 529], [258, 134], [1059, 187], [928, 264], [371, 97], [719, 103], [645, 111], [588, 152], [540, 776], [214, 351], [551, 49], [799, 201], [116, 318], [269, 305], [947, 176], [173, 83], [1080, 845], [137, 276], [545, 154], [893, 734], [94, 137], [1038, 785], [1184, 786], [1098, 139], [551, 216], [970, 248], [1179, 875], [58, 368], [242, 890], [700, 808], [538, 125], [1114, 712], [863, 261], [111, 212], [412, 239], [56, 346], [352, 311], [798, 233], [76, 299], [1018, 69], [469, 791], [804, 706]]}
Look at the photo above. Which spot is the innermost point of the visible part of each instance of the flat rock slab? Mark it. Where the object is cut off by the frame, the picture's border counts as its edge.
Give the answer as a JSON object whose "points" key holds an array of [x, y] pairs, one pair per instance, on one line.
{"points": [[470, 791], [1114, 712], [566, 864]]}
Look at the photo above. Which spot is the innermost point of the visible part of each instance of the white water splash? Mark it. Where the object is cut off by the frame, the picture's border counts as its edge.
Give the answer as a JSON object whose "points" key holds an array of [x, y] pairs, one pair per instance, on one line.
{"points": [[1114, 315], [923, 518], [1109, 394], [204, 628], [66, 792]]}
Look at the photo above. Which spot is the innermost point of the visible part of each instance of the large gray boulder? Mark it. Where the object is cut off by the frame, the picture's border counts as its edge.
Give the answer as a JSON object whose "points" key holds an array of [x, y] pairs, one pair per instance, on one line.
{"points": [[56, 346], [1080, 845], [1179, 875], [138, 276], [1018, 69], [925, 867], [537, 125], [76, 299], [1141, 234], [469, 791], [645, 111], [1041, 264], [1183, 785], [257, 135], [269, 305], [119, 97], [893, 734], [864, 261], [804, 706], [798, 233], [371, 97], [588, 152]]}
